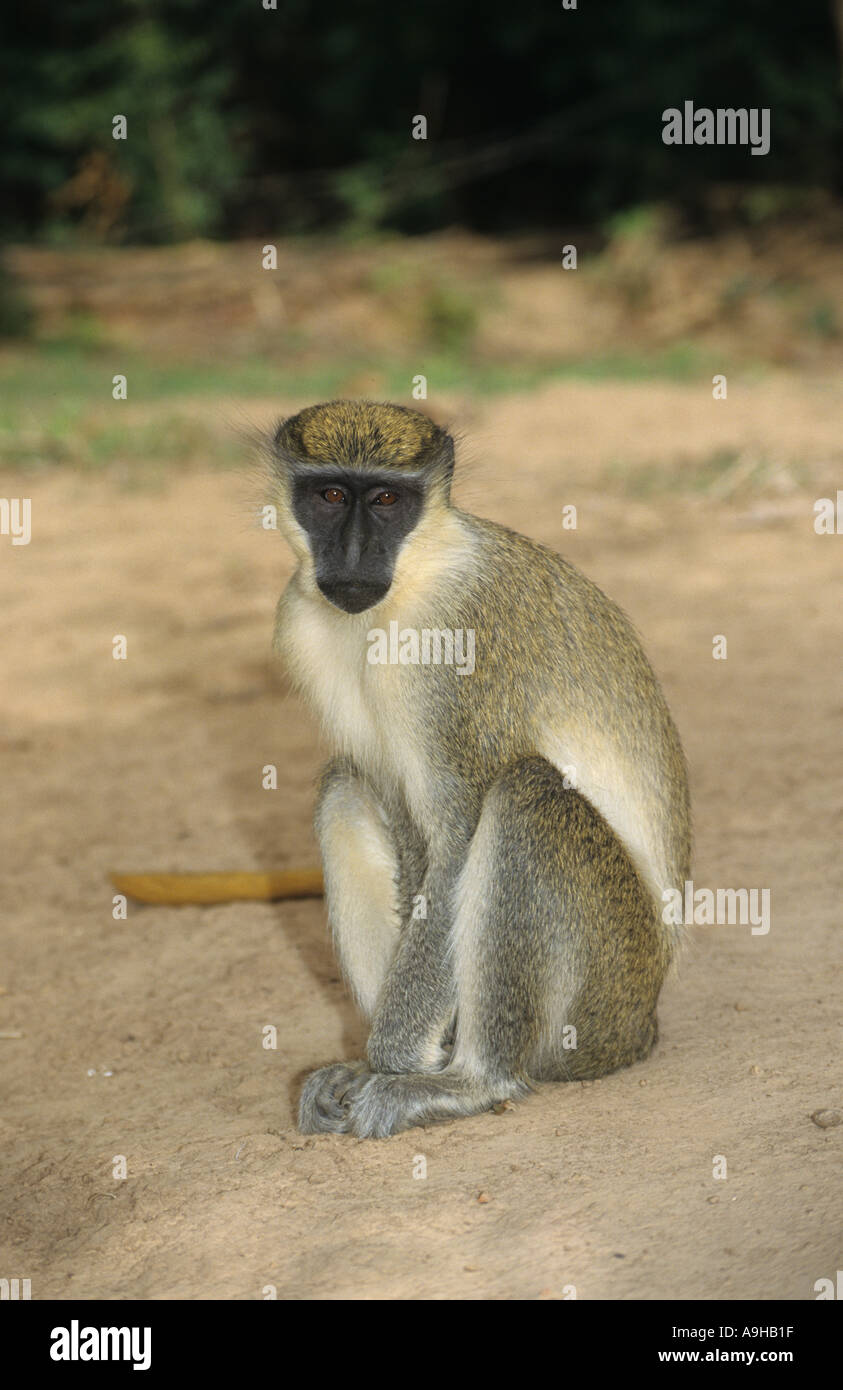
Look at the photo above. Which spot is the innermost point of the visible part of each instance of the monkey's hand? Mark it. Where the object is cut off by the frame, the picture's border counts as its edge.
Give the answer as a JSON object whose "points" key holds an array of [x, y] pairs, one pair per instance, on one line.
{"points": [[324, 1103]]}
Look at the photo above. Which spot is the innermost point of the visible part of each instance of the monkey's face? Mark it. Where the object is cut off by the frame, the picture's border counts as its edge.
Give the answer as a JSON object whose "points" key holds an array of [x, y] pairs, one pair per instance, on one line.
{"points": [[355, 522]]}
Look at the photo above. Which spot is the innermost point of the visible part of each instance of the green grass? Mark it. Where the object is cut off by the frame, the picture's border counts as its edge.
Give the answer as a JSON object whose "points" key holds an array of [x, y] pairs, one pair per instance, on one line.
{"points": [[651, 479], [56, 406], [64, 370], [722, 473]]}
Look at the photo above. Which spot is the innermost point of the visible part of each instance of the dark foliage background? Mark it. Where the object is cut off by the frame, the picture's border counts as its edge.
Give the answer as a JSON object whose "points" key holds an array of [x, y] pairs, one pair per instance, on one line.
{"points": [[242, 119]]}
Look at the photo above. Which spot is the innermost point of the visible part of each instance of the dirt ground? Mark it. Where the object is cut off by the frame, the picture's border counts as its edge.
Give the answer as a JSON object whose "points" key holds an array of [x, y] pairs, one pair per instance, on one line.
{"points": [[144, 1038]]}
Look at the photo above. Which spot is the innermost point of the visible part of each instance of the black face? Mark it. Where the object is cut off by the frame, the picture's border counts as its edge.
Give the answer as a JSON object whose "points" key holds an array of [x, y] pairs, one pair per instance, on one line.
{"points": [[356, 523]]}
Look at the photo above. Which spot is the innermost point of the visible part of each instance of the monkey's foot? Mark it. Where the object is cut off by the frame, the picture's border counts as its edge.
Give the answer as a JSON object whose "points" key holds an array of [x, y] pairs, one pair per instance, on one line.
{"points": [[324, 1107], [386, 1103]]}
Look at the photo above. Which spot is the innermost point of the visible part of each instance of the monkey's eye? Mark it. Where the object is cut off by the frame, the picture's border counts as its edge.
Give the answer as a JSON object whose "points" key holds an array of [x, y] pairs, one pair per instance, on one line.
{"points": [[334, 495], [385, 499]]}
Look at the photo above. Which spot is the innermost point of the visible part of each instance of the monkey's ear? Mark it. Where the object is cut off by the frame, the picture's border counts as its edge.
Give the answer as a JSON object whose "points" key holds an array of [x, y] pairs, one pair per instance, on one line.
{"points": [[281, 443], [445, 460]]}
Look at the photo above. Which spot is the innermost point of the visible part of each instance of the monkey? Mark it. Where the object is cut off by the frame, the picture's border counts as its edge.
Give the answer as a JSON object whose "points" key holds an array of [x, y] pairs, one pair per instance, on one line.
{"points": [[496, 842]]}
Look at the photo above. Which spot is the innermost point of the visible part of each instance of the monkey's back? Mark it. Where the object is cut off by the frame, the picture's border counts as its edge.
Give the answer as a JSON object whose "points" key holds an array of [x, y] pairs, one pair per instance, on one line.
{"points": [[561, 672]]}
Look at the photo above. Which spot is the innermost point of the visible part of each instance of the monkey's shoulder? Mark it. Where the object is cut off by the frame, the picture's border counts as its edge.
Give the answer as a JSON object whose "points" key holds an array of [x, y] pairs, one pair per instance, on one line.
{"points": [[522, 573]]}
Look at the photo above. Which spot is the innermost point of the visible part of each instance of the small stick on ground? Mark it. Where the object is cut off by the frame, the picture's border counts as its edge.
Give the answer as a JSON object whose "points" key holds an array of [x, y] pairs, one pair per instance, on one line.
{"points": [[180, 890]]}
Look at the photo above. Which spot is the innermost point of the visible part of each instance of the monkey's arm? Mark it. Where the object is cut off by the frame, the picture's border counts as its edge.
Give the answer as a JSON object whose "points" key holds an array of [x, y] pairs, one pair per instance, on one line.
{"points": [[417, 1002]]}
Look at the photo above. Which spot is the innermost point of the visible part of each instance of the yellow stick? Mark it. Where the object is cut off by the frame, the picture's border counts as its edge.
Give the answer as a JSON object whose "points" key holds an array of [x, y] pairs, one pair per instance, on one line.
{"points": [[181, 889]]}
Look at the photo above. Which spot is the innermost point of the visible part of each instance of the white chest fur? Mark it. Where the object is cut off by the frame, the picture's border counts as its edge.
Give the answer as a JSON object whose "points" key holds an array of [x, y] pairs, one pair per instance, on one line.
{"points": [[326, 654], [362, 706]]}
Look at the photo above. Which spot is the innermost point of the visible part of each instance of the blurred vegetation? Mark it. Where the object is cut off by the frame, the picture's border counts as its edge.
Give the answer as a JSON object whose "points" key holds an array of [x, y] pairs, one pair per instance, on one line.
{"points": [[722, 474], [293, 125], [243, 119], [16, 316], [56, 405]]}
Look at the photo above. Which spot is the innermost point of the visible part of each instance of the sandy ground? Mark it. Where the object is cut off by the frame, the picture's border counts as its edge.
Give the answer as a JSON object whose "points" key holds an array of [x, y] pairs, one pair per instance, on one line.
{"points": [[155, 763]]}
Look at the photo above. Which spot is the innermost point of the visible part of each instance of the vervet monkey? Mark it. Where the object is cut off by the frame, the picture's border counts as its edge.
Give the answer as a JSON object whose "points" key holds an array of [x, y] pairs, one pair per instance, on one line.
{"points": [[495, 843]]}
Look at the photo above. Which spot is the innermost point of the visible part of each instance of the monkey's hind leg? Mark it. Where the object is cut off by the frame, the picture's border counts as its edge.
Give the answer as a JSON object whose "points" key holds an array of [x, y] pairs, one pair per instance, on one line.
{"points": [[557, 957], [361, 873]]}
